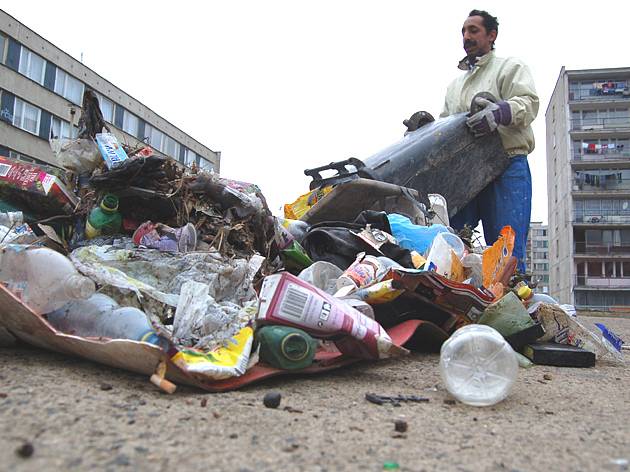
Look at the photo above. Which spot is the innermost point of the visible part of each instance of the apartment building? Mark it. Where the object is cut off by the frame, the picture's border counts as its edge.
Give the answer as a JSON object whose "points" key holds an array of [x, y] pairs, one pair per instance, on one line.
{"points": [[588, 177], [41, 92], [537, 258]]}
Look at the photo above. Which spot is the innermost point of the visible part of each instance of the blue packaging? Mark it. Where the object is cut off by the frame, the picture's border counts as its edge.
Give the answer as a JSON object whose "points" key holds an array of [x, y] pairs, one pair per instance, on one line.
{"points": [[111, 150], [413, 237]]}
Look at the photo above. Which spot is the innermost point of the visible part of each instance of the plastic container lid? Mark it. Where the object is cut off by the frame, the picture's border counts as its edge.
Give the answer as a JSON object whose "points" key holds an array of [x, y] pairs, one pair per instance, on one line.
{"points": [[524, 292]]}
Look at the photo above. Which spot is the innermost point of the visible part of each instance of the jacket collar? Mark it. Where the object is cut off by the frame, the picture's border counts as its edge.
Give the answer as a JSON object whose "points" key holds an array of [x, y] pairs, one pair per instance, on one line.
{"points": [[465, 63]]}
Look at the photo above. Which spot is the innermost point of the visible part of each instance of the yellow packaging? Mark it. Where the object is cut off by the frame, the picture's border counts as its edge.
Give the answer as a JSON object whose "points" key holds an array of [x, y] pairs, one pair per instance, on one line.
{"points": [[304, 203], [221, 363], [496, 256]]}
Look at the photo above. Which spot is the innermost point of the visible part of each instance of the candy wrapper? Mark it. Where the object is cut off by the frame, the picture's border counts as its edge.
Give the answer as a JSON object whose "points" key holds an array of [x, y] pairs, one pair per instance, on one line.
{"points": [[288, 300]]}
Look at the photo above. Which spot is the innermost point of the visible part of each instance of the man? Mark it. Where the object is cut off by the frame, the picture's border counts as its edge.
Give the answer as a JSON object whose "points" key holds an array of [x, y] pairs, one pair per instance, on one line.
{"points": [[507, 200]]}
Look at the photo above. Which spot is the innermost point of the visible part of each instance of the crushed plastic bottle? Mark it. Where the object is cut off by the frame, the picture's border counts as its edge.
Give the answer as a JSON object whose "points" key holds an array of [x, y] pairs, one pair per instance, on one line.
{"points": [[100, 316], [42, 278], [478, 366], [441, 252]]}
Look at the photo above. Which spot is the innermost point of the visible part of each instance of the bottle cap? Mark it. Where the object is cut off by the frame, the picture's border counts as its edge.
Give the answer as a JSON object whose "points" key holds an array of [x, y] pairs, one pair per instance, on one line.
{"points": [[109, 203], [524, 292]]}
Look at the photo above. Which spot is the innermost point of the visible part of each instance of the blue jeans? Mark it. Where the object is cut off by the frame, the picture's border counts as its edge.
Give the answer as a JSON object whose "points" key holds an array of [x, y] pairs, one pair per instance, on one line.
{"points": [[505, 201]]}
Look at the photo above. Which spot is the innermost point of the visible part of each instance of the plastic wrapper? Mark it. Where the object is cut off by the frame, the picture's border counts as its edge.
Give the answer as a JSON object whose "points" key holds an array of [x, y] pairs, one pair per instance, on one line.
{"points": [[14, 230], [322, 275], [157, 280], [562, 328], [462, 300], [304, 203], [496, 257], [378, 293], [287, 300], [223, 362], [76, 155]]}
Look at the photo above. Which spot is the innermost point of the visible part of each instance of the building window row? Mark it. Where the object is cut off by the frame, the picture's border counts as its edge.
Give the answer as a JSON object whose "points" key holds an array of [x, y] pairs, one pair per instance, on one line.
{"points": [[601, 299], [35, 67], [594, 180]]}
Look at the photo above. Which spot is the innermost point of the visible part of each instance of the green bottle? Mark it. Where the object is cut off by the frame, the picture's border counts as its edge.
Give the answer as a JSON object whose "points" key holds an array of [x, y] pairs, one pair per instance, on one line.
{"points": [[286, 348], [104, 219]]}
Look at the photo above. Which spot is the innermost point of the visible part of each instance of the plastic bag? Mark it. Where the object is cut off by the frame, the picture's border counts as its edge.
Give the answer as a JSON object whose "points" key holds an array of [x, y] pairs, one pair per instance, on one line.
{"points": [[76, 155]]}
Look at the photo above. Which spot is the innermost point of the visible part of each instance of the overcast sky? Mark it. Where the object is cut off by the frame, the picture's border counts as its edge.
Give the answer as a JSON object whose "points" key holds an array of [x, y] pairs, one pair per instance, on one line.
{"points": [[280, 86]]}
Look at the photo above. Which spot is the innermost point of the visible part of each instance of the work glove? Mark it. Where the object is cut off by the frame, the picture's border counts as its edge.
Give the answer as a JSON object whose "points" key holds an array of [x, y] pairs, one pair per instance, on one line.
{"points": [[491, 115]]}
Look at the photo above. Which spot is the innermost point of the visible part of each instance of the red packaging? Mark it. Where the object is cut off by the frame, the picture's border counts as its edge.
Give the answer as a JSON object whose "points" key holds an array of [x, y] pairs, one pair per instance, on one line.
{"points": [[288, 300], [29, 186]]}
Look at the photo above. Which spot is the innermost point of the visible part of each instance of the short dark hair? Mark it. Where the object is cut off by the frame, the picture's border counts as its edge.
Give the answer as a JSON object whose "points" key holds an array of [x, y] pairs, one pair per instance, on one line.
{"points": [[490, 23]]}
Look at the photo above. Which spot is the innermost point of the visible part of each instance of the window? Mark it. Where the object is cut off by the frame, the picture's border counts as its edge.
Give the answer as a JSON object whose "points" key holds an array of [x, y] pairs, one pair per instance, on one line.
{"points": [[206, 165], [26, 116], [2, 42], [62, 128], [189, 158], [594, 269], [155, 137], [543, 267], [32, 65], [540, 255], [107, 108], [171, 147], [130, 123], [68, 87]]}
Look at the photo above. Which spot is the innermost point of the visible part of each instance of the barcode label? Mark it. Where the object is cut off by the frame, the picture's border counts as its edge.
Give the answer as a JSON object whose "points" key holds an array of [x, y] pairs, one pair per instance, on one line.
{"points": [[4, 169], [294, 302]]}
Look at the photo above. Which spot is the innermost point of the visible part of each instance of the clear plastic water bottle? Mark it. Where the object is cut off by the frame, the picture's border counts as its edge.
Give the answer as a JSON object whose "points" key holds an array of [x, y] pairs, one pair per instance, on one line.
{"points": [[100, 316], [478, 366], [42, 278]]}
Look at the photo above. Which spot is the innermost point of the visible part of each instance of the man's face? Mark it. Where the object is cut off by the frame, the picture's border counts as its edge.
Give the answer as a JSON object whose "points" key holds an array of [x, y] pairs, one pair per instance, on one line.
{"points": [[477, 41]]}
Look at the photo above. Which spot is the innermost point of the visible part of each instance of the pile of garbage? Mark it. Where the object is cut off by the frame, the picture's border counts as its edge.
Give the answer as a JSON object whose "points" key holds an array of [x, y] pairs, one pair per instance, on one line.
{"points": [[119, 243]]}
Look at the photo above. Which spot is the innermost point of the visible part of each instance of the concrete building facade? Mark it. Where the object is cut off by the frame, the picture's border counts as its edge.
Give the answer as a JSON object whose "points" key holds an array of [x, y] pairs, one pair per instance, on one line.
{"points": [[41, 91], [537, 258], [588, 179]]}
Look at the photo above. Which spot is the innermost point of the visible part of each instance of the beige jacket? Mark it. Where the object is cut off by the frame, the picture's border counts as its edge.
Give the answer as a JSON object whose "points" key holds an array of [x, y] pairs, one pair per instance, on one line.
{"points": [[507, 79]]}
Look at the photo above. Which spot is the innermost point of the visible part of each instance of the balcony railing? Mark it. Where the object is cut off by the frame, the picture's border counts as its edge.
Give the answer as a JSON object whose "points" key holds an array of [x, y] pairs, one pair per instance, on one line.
{"points": [[595, 183], [603, 217], [595, 156], [614, 91], [596, 124], [602, 282], [581, 248]]}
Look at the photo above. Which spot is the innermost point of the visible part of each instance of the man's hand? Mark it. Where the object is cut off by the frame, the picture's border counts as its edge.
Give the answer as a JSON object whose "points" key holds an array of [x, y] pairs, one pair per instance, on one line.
{"points": [[489, 117]]}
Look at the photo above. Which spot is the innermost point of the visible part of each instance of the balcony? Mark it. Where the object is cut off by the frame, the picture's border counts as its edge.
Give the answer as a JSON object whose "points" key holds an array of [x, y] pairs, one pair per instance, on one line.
{"points": [[600, 217], [597, 160], [601, 124], [588, 281], [600, 92], [611, 182], [582, 249]]}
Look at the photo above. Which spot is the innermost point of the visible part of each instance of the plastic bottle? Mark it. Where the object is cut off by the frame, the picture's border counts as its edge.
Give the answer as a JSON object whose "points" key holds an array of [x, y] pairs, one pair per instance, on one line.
{"points": [[42, 278], [473, 267], [365, 270], [441, 250], [478, 366], [413, 237], [100, 316], [529, 297], [284, 347], [104, 219]]}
